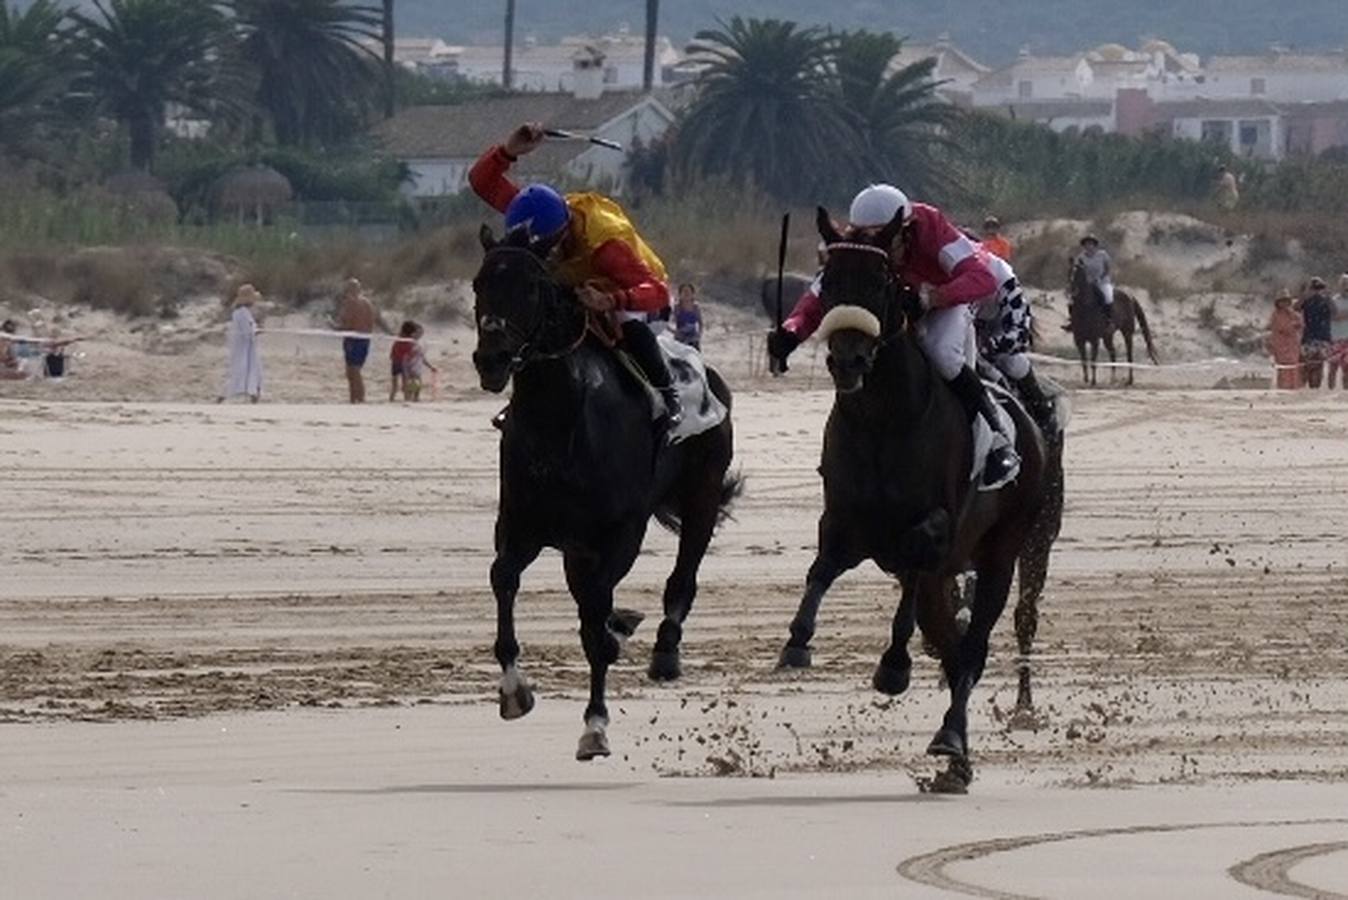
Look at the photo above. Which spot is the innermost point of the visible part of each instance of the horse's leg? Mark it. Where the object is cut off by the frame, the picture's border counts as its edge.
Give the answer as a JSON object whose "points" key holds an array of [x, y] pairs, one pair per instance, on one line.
{"points": [[1085, 368], [513, 556], [591, 584], [1034, 559], [830, 562], [1095, 357], [894, 671], [964, 666], [1113, 356], [699, 521], [1128, 348]]}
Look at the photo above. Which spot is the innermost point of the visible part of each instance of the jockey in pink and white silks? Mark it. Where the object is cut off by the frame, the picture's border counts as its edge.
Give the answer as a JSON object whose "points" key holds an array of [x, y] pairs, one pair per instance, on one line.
{"points": [[957, 280]]}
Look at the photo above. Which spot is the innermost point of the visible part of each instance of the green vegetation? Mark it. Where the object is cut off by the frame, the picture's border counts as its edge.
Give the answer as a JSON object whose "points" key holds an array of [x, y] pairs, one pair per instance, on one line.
{"points": [[804, 113]]}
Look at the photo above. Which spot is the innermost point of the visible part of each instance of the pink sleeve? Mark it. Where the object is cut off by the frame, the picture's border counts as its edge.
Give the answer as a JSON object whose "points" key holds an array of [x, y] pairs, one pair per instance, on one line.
{"points": [[970, 282], [807, 314]]}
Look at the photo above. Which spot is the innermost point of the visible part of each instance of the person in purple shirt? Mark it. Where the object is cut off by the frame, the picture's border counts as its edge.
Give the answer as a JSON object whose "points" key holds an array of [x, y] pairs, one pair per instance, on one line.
{"points": [[688, 318]]}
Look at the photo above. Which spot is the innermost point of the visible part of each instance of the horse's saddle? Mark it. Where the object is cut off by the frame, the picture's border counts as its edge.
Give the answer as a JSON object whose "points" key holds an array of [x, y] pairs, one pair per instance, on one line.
{"points": [[702, 409]]}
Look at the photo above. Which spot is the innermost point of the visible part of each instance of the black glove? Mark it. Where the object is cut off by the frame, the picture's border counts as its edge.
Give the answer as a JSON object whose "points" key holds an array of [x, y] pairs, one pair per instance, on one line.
{"points": [[910, 301], [780, 344]]}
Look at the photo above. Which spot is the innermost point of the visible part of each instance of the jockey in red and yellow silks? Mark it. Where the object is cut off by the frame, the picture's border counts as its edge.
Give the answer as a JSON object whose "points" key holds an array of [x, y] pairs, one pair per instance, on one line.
{"points": [[592, 246]]}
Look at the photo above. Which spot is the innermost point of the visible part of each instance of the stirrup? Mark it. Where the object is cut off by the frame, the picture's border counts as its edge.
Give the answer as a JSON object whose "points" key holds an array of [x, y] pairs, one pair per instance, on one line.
{"points": [[1000, 468]]}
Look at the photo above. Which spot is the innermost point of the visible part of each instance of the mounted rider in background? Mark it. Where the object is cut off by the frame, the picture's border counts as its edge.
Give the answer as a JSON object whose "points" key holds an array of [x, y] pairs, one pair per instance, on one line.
{"points": [[954, 276], [591, 246], [1099, 269]]}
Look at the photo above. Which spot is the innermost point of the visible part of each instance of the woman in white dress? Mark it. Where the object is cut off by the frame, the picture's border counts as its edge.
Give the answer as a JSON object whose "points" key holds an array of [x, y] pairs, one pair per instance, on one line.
{"points": [[245, 365]]}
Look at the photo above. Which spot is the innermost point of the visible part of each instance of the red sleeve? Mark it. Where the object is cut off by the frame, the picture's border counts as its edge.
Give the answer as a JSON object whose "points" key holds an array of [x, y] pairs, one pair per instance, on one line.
{"points": [[488, 179], [639, 290], [970, 282], [807, 314]]}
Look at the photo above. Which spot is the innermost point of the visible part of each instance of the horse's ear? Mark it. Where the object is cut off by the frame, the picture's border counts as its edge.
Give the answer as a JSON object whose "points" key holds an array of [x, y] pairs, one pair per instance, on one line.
{"points": [[827, 230], [485, 236], [887, 234]]}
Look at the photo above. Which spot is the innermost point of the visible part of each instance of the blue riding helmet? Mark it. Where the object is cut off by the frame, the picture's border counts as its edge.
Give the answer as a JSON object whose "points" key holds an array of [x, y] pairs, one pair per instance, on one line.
{"points": [[540, 210]]}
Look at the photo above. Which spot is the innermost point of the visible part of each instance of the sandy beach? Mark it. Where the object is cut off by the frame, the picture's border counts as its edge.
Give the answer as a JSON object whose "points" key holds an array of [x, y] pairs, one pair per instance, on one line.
{"points": [[245, 651]]}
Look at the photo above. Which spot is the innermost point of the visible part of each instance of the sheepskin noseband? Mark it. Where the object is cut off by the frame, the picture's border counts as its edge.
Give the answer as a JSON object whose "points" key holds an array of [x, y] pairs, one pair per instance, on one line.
{"points": [[853, 318]]}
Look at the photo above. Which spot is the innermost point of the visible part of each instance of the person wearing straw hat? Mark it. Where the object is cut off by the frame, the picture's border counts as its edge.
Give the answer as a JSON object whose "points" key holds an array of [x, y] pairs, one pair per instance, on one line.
{"points": [[9, 359], [245, 365], [1284, 341]]}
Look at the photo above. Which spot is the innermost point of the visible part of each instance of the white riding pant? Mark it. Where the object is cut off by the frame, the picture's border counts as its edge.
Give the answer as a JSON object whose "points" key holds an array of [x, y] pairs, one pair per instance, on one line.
{"points": [[947, 337], [1106, 289]]}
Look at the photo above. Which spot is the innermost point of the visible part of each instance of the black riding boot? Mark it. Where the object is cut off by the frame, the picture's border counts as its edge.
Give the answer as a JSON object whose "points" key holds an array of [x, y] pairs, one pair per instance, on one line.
{"points": [[1038, 404], [639, 342], [1002, 460]]}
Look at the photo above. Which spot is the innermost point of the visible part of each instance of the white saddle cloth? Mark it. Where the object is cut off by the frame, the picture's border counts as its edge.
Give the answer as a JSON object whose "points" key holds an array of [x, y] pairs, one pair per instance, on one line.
{"points": [[702, 410]]}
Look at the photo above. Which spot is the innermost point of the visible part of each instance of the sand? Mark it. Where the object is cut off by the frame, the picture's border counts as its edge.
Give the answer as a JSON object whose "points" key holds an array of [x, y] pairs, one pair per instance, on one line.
{"points": [[245, 651]]}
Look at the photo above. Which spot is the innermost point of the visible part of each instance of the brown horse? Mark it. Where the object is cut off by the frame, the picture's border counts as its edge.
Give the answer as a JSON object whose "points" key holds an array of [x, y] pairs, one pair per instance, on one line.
{"points": [[897, 491], [1093, 322]]}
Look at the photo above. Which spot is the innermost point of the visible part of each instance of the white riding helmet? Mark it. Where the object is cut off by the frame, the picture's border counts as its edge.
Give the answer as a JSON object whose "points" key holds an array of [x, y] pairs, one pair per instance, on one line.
{"points": [[878, 205]]}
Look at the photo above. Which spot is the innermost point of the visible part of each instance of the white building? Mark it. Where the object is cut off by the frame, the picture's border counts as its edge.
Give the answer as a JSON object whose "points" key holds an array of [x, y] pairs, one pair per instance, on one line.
{"points": [[956, 69], [439, 144], [1278, 76], [551, 67]]}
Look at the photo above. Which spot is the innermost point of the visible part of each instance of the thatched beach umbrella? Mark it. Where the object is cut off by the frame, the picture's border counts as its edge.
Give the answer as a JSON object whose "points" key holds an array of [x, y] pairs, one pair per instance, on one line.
{"points": [[255, 190]]}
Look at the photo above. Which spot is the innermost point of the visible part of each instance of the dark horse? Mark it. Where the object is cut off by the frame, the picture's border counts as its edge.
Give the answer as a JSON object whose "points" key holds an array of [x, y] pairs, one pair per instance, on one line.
{"points": [[583, 469], [897, 490], [1093, 322]]}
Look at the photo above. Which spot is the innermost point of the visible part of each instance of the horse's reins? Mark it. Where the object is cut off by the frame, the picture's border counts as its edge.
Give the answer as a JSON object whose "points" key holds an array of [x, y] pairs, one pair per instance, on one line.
{"points": [[529, 340]]}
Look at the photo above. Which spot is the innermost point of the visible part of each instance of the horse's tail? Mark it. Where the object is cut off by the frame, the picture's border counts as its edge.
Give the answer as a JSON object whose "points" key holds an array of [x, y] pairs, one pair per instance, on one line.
{"points": [[1146, 331], [731, 488]]}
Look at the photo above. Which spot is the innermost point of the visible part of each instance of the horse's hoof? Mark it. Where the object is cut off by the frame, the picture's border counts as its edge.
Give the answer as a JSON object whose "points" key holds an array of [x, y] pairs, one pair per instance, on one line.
{"points": [[665, 666], [592, 744], [890, 681], [516, 703], [794, 657], [948, 743], [623, 623], [954, 779]]}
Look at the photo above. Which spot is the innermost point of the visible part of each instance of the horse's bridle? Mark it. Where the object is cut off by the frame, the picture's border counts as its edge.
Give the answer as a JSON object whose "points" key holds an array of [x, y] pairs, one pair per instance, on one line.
{"points": [[887, 334], [528, 341]]}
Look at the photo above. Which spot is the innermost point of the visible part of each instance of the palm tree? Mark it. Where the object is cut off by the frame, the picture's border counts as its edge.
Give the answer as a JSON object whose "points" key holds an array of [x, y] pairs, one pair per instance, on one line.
{"points": [[138, 56], [390, 95], [31, 77], [507, 65], [768, 109], [317, 73], [901, 118], [652, 26]]}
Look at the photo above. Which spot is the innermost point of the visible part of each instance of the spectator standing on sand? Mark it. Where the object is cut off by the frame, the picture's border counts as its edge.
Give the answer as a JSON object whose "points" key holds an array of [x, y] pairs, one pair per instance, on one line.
{"points": [[688, 318], [994, 241], [1317, 312], [1338, 333], [1227, 191], [355, 313], [245, 366], [9, 359], [1284, 341], [415, 364], [398, 359]]}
